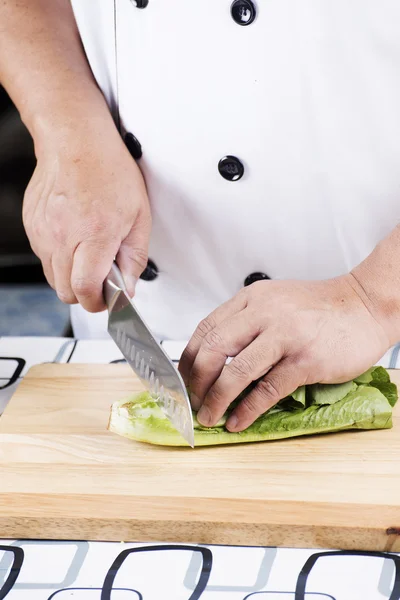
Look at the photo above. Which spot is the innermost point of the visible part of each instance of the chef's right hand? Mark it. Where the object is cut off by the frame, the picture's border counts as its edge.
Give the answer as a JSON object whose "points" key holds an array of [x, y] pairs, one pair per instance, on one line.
{"points": [[86, 204]]}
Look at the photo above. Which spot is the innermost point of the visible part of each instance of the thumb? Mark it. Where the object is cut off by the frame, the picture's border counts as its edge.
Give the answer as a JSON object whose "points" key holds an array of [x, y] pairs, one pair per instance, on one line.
{"points": [[133, 253]]}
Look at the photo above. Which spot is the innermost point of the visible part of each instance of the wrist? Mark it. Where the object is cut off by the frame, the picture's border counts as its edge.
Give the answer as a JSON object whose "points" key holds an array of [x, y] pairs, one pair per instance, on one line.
{"points": [[67, 113], [380, 298]]}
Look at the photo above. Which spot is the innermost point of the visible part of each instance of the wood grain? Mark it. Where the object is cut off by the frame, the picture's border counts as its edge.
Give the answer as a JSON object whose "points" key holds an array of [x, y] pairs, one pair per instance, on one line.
{"points": [[64, 476]]}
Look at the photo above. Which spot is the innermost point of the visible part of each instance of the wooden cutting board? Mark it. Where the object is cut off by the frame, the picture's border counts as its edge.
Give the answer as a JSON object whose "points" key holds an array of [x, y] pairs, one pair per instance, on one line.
{"points": [[64, 476]]}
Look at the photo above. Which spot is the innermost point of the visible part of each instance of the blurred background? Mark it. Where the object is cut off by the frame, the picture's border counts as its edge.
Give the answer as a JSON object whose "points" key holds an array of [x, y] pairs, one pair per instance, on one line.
{"points": [[28, 306]]}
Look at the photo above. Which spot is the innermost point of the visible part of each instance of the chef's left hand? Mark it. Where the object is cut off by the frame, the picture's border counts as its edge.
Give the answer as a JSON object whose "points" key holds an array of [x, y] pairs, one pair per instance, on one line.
{"points": [[288, 333]]}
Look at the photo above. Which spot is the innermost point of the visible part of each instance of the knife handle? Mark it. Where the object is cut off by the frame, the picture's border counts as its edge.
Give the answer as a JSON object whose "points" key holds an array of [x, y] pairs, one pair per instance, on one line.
{"points": [[113, 284]]}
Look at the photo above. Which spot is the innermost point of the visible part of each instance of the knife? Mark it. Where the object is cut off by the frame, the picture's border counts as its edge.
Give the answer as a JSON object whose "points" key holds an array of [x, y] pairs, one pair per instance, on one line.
{"points": [[146, 356]]}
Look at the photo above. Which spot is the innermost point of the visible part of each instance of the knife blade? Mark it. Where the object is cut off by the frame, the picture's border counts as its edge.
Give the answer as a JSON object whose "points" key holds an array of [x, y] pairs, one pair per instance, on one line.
{"points": [[146, 356]]}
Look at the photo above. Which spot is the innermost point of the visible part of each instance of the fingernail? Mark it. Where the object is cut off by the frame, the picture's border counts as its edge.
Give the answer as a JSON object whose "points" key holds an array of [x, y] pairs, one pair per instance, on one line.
{"points": [[232, 423], [130, 282], [195, 402], [204, 416]]}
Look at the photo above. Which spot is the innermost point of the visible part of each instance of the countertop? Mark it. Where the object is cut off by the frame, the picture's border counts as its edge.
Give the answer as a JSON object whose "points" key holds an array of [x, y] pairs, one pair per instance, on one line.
{"points": [[42, 570]]}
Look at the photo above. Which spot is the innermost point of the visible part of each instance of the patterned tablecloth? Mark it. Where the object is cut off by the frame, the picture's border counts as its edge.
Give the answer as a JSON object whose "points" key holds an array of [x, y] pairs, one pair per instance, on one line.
{"points": [[64, 570]]}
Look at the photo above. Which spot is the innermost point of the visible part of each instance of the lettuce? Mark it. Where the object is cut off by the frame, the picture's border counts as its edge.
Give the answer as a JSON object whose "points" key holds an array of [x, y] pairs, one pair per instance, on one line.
{"points": [[364, 403]]}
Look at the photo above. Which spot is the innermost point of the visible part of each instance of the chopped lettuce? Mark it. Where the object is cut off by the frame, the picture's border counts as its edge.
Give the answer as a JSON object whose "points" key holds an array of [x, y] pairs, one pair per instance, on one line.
{"points": [[365, 403]]}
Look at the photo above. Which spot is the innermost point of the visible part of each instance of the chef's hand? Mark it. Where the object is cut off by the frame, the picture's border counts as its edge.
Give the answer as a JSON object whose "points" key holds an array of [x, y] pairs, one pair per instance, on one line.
{"points": [[287, 333], [86, 204]]}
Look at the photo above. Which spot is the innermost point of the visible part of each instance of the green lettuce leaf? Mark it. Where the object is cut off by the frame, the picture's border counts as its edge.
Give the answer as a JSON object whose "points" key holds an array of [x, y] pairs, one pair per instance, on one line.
{"points": [[388, 389], [373, 374], [295, 400], [379, 378], [310, 410], [323, 393]]}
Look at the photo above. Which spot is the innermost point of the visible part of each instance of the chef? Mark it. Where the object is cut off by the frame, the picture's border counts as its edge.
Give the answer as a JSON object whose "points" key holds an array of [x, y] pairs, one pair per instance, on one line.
{"points": [[240, 159]]}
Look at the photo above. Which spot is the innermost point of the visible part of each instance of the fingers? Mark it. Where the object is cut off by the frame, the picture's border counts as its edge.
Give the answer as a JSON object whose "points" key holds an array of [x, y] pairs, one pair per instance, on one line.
{"points": [[226, 310], [248, 366], [281, 381], [133, 253], [48, 271], [79, 276], [226, 340], [92, 262], [62, 268]]}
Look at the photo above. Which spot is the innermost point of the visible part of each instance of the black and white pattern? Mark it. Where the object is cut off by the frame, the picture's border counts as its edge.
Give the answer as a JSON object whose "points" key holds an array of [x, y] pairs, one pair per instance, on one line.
{"points": [[110, 571]]}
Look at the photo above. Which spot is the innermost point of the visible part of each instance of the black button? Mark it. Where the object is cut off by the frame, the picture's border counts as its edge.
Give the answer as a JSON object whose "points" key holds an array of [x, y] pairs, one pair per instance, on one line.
{"points": [[141, 3], [133, 146], [243, 12], [255, 277], [231, 168], [151, 272]]}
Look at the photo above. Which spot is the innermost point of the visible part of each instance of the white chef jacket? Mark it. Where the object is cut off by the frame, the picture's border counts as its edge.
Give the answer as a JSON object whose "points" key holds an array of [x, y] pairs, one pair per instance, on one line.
{"points": [[305, 96]]}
